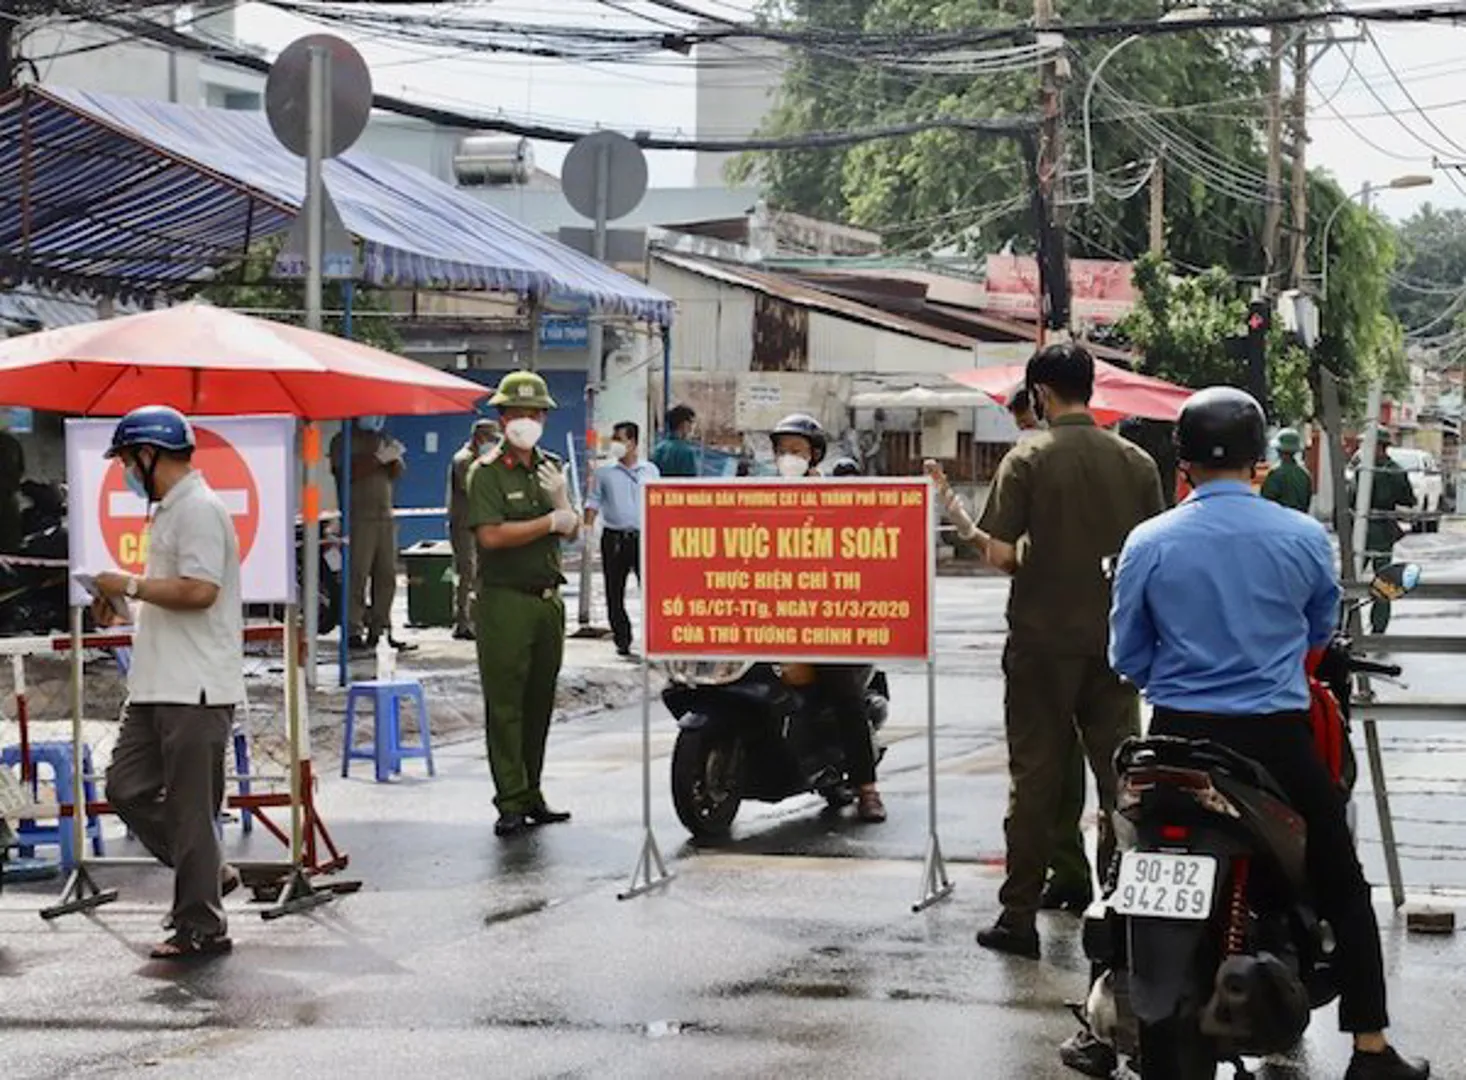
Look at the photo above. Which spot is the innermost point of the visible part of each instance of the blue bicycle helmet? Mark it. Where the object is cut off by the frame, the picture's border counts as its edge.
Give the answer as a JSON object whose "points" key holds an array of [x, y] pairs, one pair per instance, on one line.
{"points": [[153, 425]]}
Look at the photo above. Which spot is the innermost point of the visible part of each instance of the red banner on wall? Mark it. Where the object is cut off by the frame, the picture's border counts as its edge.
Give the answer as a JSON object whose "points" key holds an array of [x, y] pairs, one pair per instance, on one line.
{"points": [[812, 570]]}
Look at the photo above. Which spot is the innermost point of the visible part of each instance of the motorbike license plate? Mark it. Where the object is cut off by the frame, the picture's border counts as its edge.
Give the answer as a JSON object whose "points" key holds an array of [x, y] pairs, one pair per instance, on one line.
{"points": [[333, 559], [1161, 886]]}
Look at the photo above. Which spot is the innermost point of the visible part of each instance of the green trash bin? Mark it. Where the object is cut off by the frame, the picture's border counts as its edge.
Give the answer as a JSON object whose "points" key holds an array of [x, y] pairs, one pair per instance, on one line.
{"points": [[430, 583]]}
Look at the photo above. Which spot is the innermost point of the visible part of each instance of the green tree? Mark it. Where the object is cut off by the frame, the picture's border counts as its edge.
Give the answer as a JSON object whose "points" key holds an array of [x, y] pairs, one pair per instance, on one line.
{"points": [[1432, 271], [252, 287]]}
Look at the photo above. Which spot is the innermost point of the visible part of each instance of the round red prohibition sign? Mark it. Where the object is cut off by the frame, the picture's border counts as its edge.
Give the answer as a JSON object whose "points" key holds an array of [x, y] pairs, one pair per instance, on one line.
{"points": [[124, 515]]}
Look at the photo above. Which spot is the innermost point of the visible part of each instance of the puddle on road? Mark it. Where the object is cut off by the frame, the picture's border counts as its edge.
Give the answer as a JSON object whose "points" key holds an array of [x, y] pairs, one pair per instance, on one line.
{"points": [[785, 988], [519, 911]]}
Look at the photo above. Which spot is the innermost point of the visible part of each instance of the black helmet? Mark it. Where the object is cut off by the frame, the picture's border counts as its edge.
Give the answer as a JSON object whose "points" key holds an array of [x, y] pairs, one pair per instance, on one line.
{"points": [[845, 466], [806, 427], [1222, 427]]}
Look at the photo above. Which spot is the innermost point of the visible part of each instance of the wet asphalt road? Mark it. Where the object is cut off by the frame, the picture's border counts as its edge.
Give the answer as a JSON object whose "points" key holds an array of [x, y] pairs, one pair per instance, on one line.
{"points": [[792, 951]]}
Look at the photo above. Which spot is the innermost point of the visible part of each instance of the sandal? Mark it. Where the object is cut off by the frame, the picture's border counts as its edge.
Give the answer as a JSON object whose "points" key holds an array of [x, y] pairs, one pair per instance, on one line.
{"points": [[187, 945], [870, 808]]}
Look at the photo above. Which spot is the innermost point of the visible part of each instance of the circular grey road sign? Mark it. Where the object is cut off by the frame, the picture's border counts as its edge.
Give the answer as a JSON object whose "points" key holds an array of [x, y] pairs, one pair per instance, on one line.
{"points": [[625, 174], [348, 95]]}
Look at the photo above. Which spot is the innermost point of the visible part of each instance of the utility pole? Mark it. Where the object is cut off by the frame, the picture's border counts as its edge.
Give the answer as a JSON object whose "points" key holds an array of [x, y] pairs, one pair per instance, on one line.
{"points": [[1158, 204], [9, 17], [1300, 161], [1274, 220], [1050, 158]]}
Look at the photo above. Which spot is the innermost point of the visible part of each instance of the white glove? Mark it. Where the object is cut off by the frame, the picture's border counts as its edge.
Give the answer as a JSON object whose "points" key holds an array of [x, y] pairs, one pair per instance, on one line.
{"points": [[564, 521], [957, 511], [555, 485]]}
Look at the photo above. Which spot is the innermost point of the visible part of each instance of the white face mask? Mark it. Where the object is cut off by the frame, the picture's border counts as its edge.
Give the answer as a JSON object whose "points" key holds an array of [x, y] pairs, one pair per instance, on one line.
{"points": [[791, 466], [523, 433], [619, 450]]}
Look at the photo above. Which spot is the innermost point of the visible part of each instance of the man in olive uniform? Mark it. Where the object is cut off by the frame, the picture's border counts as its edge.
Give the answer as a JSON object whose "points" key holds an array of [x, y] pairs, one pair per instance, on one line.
{"points": [[1069, 885], [519, 509], [1071, 496], [1289, 484], [376, 463], [1391, 492], [460, 533]]}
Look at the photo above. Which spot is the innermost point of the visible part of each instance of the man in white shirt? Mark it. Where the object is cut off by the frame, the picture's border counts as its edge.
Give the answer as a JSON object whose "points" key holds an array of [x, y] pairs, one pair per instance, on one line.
{"points": [[166, 780]]}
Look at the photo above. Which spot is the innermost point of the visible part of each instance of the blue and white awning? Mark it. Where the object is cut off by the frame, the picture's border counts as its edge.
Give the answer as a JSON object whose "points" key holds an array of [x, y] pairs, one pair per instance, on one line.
{"points": [[145, 195]]}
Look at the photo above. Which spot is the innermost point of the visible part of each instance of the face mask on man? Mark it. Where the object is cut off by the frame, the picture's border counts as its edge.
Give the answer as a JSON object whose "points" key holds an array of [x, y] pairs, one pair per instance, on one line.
{"points": [[791, 466], [372, 423], [523, 433], [619, 450], [135, 474]]}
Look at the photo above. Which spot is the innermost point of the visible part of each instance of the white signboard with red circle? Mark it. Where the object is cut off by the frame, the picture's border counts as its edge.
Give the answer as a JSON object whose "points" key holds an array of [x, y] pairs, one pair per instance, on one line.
{"points": [[249, 461]]}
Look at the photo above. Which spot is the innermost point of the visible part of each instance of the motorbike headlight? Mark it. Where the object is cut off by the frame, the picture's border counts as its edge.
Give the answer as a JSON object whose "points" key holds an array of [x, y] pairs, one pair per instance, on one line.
{"points": [[707, 672]]}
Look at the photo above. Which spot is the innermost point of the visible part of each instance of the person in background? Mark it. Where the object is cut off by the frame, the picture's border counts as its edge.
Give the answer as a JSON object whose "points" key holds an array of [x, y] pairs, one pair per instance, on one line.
{"points": [[799, 443], [1216, 605], [845, 466], [1389, 493], [377, 463], [615, 495], [1020, 407], [166, 779], [519, 509], [675, 455], [465, 549], [12, 470], [1289, 483], [1069, 884]]}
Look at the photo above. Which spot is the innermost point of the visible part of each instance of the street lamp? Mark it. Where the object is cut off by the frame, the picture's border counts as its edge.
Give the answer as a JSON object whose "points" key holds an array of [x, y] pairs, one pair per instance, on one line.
{"points": [[1177, 15], [1399, 183]]}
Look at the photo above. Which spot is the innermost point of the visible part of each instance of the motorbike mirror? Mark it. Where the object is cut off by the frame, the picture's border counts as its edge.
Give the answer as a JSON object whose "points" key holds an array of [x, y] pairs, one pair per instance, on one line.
{"points": [[1394, 581]]}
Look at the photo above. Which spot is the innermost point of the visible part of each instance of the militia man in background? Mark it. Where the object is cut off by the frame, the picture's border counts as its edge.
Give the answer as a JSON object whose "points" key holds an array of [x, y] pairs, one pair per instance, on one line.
{"points": [[460, 533]]}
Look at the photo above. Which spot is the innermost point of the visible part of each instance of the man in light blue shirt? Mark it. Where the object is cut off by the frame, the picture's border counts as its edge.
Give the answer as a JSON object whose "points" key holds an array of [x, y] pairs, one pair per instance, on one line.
{"points": [[615, 494], [1215, 605]]}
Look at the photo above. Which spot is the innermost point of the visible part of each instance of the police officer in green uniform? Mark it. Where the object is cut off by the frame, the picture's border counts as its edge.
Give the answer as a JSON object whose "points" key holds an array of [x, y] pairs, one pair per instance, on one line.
{"points": [[1289, 484], [1390, 493], [519, 508]]}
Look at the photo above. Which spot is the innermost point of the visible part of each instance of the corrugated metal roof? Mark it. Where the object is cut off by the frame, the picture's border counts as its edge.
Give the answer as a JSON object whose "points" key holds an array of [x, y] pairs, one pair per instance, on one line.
{"points": [[25, 309], [808, 297], [149, 195]]}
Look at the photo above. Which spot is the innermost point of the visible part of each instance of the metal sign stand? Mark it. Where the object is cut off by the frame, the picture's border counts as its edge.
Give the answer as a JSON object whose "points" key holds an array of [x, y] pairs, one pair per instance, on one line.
{"points": [[935, 884], [81, 893], [650, 871]]}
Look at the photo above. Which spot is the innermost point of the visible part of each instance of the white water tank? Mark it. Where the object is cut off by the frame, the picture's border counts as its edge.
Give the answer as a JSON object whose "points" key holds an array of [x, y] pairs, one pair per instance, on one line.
{"points": [[493, 160]]}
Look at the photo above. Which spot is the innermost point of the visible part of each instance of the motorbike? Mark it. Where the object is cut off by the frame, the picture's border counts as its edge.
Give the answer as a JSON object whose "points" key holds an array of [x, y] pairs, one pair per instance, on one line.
{"points": [[1210, 944], [33, 599], [759, 731], [328, 598]]}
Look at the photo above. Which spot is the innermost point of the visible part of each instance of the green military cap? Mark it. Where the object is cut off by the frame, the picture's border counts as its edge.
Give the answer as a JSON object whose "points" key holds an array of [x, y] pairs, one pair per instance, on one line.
{"points": [[523, 390], [1290, 442]]}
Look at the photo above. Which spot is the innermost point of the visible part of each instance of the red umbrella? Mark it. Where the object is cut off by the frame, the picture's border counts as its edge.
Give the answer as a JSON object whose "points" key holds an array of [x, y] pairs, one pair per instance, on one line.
{"points": [[1118, 393], [206, 361]]}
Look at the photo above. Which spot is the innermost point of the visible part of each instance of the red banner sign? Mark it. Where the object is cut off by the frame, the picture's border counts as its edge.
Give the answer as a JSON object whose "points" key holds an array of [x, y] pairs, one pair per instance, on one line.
{"points": [[827, 570], [1100, 291]]}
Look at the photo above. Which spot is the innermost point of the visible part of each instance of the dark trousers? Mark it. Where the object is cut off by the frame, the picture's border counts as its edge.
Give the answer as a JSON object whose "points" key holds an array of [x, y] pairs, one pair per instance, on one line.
{"points": [[843, 688], [1284, 746], [1069, 869], [166, 782], [1379, 611], [1051, 701], [620, 558]]}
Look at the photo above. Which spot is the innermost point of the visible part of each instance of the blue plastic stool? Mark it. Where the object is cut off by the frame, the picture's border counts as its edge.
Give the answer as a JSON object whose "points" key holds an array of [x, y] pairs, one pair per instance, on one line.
{"points": [[58, 757], [386, 751]]}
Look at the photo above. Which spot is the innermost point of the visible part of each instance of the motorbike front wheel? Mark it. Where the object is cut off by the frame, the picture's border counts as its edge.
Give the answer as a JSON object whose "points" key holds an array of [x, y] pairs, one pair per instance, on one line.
{"points": [[1176, 1050], [706, 763]]}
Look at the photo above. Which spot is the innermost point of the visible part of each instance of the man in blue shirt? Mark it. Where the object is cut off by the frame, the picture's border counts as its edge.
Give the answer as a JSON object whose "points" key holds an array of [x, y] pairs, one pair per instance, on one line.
{"points": [[615, 494], [1216, 604]]}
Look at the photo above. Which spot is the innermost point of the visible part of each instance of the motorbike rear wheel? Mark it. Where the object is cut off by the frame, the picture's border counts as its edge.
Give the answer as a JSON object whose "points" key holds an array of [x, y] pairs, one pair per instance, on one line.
{"points": [[706, 765], [1176, 1050]]}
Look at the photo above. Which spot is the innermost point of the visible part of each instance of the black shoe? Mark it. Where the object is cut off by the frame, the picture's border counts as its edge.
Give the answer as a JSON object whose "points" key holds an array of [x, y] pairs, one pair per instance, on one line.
{"points": [[1082, 1052], [1004, 939], [511, 824], [400, 646], [464, 633], [1388, 1065], [1074, 901], [543, 815], [360, 643]]}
